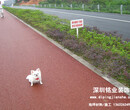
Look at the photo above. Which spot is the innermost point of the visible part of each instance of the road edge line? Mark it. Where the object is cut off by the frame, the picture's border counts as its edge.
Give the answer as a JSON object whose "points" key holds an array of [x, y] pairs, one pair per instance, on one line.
{"points": [[78, 58]]}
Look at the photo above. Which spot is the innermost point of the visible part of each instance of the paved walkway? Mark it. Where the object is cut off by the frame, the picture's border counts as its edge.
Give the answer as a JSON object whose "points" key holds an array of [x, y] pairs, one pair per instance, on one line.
{"points": [[67, 84]]}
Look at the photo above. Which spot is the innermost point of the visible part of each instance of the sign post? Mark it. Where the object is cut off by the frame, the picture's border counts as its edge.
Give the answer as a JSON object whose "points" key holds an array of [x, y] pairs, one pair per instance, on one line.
{"points": [[76, 24], [77, 29]]}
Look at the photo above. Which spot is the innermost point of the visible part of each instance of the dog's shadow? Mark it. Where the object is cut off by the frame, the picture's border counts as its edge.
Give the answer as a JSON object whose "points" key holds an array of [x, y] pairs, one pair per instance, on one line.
{"points": [[35, 84]]}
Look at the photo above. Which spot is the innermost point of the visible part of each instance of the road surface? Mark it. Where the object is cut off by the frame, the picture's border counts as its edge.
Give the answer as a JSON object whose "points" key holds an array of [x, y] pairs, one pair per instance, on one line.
{"points": [[67, 84], [104, 21]]}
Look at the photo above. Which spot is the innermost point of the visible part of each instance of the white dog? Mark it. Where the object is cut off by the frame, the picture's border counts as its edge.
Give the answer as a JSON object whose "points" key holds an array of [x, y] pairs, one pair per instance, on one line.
{"points": [[35, 77]]}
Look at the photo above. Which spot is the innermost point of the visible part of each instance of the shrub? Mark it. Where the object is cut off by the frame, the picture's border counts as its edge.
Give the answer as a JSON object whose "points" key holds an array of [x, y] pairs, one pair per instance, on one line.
{"points": [[56, 35]]}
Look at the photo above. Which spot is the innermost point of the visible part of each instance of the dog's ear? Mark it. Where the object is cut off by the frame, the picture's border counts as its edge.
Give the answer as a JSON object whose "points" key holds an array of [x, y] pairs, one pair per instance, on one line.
{"points": [[38, 69], [32, 71]]}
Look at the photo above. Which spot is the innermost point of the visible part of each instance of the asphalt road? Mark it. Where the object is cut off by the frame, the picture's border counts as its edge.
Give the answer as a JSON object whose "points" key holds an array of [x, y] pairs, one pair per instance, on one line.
{"points": [[67, 84], [104, 21]]}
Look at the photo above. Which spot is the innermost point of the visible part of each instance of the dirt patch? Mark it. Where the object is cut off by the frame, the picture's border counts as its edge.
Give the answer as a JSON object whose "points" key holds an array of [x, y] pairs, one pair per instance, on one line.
{"points": [[31, 2]]}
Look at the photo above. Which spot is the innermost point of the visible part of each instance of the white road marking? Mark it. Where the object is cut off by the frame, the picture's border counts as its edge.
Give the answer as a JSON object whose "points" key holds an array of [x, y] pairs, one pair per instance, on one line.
{"points": [[90, 16]]}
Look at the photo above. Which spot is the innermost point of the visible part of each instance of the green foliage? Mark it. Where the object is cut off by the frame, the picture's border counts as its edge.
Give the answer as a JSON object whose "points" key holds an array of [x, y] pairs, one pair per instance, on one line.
{"points": [[67, 1], [102, 2], [110, 6]]}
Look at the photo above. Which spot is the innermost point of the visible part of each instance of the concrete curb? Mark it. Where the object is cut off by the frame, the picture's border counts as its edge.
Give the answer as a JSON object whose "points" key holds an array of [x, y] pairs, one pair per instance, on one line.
{"points": [[81, 60]]}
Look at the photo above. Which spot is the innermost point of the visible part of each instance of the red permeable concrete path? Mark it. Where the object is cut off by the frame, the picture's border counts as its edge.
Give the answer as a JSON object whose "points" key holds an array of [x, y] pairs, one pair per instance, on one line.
{"points": [[67, 84]]}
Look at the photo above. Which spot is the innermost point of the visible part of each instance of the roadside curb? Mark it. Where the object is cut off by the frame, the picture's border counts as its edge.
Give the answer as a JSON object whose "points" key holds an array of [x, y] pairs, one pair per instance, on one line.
{"points": [[81, 60]]}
